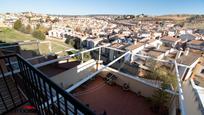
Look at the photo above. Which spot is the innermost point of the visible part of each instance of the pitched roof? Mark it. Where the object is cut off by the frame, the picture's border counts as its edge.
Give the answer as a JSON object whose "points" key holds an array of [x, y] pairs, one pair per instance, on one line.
{"points": [[169, 38], [119, 45], [154, 53], [187, 37], [188, 59], [134, 46], [197, 42]]}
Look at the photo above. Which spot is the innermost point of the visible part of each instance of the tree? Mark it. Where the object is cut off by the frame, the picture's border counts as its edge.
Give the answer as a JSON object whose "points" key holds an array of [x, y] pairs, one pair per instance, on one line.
{"points": [[161, 73], [28, 29], [87, 56], [77, 29], [77, 57], [17, 25], [67, 39], [152, 64], [55, 20], [160, 101], [37, 26], [22, 29], [165, 76], [38, 34], [47, 19], [72, 42], [42, 28]]}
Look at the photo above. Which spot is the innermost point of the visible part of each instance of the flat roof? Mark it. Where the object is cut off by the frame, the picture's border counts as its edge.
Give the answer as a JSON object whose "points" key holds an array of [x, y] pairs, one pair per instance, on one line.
{"points": [[151, 40], [101, 97], [152, 51], [56, 68], [164, 48], [188, 59]]}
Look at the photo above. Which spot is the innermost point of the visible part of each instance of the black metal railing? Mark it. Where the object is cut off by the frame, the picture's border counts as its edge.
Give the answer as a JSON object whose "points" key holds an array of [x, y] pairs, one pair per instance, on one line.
{"points": [[39, 90], [11, 95]]}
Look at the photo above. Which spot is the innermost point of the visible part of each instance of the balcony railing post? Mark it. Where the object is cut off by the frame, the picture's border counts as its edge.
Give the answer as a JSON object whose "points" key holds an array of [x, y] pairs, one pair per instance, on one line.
{"points": [[75, 110], [47, 97], [65, 104], [51, 95], [58, 103]]}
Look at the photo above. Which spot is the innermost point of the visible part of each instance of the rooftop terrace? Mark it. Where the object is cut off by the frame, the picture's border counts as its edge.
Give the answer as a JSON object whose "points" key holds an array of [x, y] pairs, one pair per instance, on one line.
{"points": [[101, 97]]}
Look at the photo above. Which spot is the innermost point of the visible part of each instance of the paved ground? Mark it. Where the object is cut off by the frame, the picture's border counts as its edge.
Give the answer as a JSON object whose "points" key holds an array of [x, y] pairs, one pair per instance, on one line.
{"points": [[100, 96]]}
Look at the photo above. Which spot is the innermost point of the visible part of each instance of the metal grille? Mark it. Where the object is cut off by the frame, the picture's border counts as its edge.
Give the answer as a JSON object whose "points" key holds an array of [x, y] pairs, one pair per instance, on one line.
{"points": [[39, 90]]}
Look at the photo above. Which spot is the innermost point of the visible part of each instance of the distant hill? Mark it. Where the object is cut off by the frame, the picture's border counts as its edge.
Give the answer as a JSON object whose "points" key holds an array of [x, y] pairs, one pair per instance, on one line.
{"points": [[178, 17]]}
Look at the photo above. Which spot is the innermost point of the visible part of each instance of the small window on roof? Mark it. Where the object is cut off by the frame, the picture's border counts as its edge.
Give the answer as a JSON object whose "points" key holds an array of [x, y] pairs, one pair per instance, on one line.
{"points": [[202, 71]]}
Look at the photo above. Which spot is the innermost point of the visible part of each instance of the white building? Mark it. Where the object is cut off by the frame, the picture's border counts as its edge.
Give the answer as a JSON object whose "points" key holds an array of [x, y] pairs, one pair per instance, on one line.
{"points": [[92, 42]]}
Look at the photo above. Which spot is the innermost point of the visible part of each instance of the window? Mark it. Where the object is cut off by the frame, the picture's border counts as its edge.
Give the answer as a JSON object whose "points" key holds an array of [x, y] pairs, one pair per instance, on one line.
{"points": [[202, 71]]}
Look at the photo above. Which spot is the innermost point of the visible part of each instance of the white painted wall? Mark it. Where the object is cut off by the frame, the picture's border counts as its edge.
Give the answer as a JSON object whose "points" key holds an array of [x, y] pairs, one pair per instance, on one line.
{"points": [[199, 71], [135, 86], [188, 75], [72, 76]]}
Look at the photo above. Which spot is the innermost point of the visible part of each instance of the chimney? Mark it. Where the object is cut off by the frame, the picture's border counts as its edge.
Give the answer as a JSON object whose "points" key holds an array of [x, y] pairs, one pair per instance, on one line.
{"points": [[186, 52], [158, 45], [178, 55], [135, 42]]}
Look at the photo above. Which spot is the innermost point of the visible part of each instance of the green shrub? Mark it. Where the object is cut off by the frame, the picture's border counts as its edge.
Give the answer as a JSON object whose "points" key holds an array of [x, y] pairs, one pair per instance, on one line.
{"points": [[158, 72], [22, 29], [39, 35], [17, 25], [72, 42], [28, 29], [160, 101], [67, 41]]}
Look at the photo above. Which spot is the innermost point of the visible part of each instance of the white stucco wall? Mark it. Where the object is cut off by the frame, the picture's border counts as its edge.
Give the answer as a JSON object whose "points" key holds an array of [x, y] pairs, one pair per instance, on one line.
{"points": [[73, 75]]}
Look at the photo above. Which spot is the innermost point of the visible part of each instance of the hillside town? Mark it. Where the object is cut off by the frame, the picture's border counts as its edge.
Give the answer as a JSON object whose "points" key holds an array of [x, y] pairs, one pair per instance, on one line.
{"points": [[121, 47]]}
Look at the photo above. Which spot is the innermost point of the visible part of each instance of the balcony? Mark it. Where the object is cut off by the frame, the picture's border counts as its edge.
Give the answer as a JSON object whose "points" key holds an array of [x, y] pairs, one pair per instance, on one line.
{"points": [[27, 85], [45, 93]]}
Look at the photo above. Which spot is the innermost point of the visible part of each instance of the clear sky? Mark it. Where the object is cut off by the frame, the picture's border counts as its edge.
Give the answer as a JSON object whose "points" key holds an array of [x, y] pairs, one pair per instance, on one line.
{"points": [[84, 7]]}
